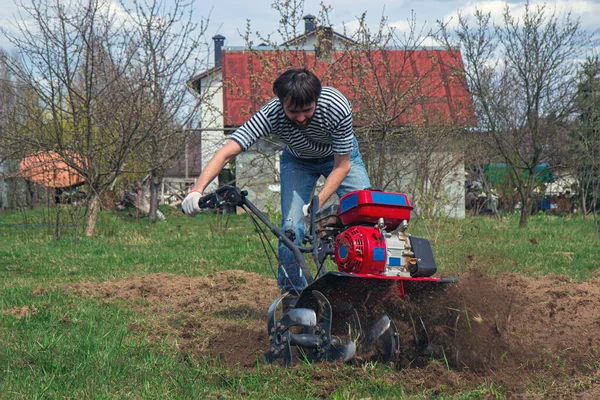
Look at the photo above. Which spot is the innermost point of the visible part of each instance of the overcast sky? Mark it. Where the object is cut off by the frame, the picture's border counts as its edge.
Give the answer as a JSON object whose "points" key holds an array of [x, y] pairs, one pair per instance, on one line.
{"points": [[228, 17]]}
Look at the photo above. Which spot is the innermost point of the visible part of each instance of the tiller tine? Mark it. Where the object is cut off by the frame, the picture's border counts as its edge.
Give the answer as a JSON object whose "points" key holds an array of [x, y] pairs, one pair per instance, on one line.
{"points": [[392, 343], [303, 316], [297, 316], [279, 335], [344, 352], [378, 329], [389, 346], [315, 340]]}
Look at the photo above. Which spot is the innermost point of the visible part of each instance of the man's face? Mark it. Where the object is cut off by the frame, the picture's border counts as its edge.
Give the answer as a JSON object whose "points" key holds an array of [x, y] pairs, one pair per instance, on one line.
{"points": [[299, 116]]}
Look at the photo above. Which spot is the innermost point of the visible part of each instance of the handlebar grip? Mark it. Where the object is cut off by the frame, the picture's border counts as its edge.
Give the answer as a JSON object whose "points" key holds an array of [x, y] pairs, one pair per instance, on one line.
{"points": [[208, 201], [222, 196], [204, 202]]}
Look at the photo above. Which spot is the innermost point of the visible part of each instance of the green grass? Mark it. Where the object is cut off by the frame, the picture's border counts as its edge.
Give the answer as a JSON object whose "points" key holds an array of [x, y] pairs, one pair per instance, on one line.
{"points": [[71, 347], [549, 244], [122, 247]]}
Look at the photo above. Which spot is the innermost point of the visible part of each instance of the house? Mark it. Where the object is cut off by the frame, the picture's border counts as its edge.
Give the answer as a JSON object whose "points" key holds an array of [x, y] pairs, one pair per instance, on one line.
{"points": [[423, 89]]}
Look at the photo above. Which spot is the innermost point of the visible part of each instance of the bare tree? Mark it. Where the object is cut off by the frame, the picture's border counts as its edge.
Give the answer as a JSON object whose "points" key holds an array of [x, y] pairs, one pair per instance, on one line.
{"points": [[587, 138], [408, 139], [170, 51], [522, 77], [75, 58], [5, 103], [389, 78], [384, 87], [107, 84]]}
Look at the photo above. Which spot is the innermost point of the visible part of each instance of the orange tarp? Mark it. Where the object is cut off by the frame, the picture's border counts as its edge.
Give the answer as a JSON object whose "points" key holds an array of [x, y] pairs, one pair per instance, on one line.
{"points": [[49, 169]]}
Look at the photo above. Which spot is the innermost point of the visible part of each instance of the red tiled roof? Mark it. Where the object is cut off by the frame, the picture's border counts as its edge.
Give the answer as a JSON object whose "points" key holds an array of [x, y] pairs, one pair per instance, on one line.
{"points": [[399, 87]]}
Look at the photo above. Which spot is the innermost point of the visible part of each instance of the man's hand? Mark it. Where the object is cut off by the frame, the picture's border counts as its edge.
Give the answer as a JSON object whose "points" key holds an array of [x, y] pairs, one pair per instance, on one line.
{"points": [[305, 209], [341, 167], [306, 214], [190, 204]]}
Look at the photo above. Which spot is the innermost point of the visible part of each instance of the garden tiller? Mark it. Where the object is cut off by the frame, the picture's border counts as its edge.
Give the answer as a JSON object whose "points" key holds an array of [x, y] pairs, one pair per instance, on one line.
{"points": [[342, 315]]}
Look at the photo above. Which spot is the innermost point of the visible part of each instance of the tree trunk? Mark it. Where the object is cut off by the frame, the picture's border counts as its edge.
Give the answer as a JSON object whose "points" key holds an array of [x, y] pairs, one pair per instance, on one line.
{"points": [[527, 202], [583, 195], [525, 208], [525, 212], [31, 191], [12, 202], [381, 163], [595, 209], [94, 209], [154, 186], [2, 205], [584, 210], [57, 222]]}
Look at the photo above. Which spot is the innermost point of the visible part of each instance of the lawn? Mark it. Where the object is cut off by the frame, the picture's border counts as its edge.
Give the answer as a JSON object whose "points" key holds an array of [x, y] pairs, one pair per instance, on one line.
{"points": [[54, 342]]}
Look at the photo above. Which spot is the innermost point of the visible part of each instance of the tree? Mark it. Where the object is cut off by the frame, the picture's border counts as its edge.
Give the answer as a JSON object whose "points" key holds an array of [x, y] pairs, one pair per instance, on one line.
{"points": [[5, 103], [389, 79], [408, 138], [521, 74], [168, 54], [587, 137], [75, 58], [16, 100], [103, 87]]}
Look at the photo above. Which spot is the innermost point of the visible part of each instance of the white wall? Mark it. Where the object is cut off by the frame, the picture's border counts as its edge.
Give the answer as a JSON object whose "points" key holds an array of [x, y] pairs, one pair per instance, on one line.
{"points": [[212, 119]]}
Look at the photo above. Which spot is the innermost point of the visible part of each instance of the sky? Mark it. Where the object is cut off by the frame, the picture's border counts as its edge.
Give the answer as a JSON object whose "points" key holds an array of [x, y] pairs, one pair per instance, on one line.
{"points": [[228, 17], [227, 21]]}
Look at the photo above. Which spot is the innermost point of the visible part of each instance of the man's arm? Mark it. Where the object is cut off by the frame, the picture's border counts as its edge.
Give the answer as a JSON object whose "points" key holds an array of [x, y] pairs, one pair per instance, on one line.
{"points": [[216, 164], [341, 167], [244, 137]]}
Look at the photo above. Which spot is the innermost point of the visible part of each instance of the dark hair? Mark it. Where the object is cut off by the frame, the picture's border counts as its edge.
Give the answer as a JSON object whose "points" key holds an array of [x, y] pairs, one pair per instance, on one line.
{"points": [[299, 85]]}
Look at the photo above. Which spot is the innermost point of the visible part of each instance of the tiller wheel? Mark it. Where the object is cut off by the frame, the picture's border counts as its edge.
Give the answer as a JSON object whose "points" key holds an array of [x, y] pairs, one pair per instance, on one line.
{"points": [[314, 339]]}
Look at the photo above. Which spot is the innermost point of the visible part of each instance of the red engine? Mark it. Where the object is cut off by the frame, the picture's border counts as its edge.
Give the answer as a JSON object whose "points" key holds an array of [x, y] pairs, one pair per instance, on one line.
{"points": [[372, 237], [361, 249]]}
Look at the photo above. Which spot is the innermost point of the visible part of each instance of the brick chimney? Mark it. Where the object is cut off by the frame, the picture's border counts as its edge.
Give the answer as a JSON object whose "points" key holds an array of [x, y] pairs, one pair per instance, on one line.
{"points": [[218, 40]]}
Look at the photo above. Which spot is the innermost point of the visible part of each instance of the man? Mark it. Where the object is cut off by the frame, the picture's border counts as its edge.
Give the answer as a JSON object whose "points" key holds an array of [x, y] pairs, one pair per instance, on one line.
{"points": [[315, 124]]}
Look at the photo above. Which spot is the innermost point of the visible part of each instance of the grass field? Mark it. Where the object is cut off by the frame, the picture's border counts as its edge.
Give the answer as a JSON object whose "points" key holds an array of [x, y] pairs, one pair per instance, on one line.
{"points": [[56, 344]]}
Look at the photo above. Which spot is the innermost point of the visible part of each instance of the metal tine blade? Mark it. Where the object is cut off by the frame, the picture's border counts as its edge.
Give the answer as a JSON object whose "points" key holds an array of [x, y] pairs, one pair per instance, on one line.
{"points": [[339, 351], [303, 316], [378, 329], [326, 310], [393, 343], [349, 351], [271, 314]]}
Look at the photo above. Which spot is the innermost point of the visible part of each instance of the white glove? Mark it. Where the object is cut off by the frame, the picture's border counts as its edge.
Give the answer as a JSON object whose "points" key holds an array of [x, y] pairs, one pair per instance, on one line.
{"points": [[190, 204], [305, 209]]}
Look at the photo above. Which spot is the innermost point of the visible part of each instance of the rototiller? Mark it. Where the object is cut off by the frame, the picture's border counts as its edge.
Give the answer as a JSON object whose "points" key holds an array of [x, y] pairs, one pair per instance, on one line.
{"points": [[341, 315]]}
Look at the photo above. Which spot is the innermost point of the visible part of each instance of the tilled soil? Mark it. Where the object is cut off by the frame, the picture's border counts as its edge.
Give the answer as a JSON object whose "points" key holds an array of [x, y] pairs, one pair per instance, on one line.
{"points": [[512, 330]]}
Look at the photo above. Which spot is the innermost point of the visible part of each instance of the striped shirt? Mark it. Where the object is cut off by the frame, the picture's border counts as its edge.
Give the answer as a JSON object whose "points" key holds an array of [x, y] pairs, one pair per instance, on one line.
{"points": [[329, 132]]}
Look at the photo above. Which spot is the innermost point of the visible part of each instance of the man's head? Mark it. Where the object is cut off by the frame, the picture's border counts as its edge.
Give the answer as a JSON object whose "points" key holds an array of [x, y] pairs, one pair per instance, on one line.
{"points": [[298, 91]]}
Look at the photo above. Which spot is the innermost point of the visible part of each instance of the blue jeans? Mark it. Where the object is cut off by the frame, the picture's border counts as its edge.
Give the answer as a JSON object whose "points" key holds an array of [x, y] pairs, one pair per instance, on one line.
{"points": [[298, 179]]}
